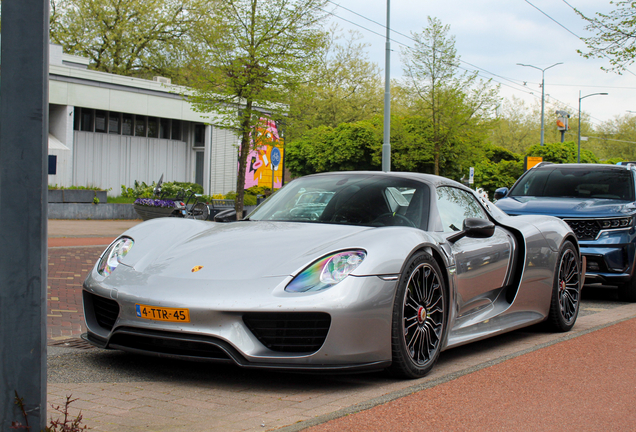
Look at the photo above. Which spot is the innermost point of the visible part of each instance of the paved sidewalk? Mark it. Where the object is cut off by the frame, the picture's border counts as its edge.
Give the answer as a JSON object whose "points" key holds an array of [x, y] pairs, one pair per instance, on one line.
{"points": [[583, 384], [70, 232], [525, 380]]}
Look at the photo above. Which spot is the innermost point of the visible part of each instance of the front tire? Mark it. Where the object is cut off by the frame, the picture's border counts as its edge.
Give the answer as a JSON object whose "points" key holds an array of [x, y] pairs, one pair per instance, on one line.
{"points": [[566, 291], [419, 318]]}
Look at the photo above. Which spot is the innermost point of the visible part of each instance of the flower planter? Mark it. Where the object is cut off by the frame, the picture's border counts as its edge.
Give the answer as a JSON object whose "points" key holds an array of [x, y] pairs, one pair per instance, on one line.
{"points": [[150, 212]]}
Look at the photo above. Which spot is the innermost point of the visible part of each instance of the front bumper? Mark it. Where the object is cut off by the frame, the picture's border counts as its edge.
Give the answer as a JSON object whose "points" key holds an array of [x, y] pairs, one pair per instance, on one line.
{"points": [[358, 337], [610, 258]]}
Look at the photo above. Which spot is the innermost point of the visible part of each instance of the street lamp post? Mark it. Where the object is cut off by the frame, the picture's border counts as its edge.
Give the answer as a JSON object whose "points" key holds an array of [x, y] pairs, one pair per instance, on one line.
{"points": [[578, 156], [542, 91]]}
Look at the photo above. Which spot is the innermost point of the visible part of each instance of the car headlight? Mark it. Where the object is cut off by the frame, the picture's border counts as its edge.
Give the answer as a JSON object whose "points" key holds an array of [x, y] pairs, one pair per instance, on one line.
{"points": [[327, 271], [112, 256], [616, 223]]}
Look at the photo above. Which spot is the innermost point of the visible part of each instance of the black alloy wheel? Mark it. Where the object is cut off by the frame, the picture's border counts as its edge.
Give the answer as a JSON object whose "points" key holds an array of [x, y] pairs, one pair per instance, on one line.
{"points": [[419, 318], [566, 293]]}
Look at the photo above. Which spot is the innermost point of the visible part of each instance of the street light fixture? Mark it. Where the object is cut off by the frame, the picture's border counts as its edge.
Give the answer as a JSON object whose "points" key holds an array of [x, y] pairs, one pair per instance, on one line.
{"points": [[542, 91], [578, 156]]}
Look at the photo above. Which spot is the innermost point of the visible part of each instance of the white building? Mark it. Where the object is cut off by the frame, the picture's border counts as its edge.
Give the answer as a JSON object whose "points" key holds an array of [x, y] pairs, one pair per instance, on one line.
{"points": [[109, 130]]}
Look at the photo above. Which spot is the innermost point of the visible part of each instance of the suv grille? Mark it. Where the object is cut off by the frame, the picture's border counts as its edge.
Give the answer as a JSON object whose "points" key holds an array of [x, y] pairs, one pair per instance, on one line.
{"points": [[301, 332], [585, 229], [588, 229], [106, 310]]}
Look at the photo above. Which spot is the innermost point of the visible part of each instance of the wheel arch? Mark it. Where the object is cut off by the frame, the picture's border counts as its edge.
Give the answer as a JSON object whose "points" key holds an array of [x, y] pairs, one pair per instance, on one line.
{"points": [[444, 265]]}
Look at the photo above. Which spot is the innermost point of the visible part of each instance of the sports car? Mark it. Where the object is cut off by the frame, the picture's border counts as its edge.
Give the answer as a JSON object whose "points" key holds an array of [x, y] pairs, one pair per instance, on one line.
{"points": [[347, 271]]}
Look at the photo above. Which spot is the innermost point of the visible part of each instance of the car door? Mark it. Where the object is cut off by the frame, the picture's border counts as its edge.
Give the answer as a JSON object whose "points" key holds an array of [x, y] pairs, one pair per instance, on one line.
{"points": [[482, 264]]}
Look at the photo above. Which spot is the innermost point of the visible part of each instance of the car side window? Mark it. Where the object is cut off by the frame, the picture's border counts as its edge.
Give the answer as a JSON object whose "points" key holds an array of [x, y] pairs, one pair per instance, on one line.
{"points": [[454, 205]]}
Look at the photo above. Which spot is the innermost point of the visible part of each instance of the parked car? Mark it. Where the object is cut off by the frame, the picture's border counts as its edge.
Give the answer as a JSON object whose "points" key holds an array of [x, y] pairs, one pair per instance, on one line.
{"points": [[386, 270], [597, 201]]}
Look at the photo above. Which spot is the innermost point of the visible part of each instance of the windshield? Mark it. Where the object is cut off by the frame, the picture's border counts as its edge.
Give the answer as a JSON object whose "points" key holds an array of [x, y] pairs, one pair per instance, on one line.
{"points": [[359, 199], [576, 183]]}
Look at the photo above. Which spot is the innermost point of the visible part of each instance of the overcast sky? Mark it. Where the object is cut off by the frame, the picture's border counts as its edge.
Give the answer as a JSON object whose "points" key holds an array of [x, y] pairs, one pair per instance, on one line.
{"points": [[495, 35]]}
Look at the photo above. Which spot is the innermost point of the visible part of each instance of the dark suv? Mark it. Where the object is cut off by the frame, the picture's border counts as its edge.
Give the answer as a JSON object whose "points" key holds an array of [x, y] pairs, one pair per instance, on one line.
{"points": [[597, 201]]}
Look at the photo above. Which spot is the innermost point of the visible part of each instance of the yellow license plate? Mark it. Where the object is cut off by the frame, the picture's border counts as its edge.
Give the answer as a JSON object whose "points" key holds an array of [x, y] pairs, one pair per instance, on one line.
{"points": [[162, 314]]}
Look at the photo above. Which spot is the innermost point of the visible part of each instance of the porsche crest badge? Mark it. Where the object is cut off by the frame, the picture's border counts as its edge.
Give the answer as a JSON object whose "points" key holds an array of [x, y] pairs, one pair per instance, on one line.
{"points": [[196, 268]]}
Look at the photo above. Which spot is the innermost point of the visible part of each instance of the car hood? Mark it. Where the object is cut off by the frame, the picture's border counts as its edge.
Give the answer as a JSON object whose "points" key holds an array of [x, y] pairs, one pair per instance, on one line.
{"points": [[566, 207], [242, 250]]}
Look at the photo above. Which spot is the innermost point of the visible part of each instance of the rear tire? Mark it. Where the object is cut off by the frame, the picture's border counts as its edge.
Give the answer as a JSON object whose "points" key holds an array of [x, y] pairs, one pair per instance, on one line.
{"points": [[200, 211], [419, 318], [627, 291], [566, 292]]}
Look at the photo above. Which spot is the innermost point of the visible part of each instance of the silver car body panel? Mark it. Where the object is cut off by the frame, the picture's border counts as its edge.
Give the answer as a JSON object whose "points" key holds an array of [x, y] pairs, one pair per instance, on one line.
{"points": [[494, 285]]}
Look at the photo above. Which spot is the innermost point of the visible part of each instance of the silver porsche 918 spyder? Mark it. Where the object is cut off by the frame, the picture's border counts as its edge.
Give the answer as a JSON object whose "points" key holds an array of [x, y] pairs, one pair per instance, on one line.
{"points": [[335, 272]]}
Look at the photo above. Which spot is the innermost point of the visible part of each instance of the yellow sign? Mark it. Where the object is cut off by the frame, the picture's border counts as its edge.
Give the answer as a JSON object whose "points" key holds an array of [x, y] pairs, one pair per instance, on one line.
{"points": [[532, 161]]}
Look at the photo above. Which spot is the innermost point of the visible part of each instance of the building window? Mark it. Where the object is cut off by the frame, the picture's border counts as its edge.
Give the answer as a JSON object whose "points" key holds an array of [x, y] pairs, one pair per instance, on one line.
{"points": [[198, 172], [100, 121], [153, 130], [113, 123], [140, 126], [164, 128], [87, 120], [199, 135], [176, 130], [77, 118], [127, 124]]}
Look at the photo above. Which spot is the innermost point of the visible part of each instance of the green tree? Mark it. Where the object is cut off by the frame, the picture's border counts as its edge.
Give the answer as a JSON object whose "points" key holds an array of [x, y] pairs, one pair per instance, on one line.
{"points": [[344, 87], [411, 143], [349, 146], [518, 126], [256, 55], [498, 168], [614, 35], [457, 104], [615, 139], [126, 37], [561, 153]]}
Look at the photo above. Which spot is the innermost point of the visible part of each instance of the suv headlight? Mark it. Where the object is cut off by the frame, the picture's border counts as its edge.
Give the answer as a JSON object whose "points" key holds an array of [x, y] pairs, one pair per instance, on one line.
{"points": [[112, 256], [616, 223], [327, 271]]}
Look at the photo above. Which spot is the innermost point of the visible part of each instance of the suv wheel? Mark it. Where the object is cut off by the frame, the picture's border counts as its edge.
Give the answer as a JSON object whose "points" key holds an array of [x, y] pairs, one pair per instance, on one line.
{"points": [[627, 291]]}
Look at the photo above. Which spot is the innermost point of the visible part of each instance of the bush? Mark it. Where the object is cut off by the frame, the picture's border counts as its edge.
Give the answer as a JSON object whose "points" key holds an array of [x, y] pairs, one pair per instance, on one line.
{"points": [[168, 189], [251, 194], [55, 186]]}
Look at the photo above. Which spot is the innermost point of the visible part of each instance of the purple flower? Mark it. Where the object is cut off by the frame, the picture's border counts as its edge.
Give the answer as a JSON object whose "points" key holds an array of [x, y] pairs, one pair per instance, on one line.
{"points": [[154, 202]]}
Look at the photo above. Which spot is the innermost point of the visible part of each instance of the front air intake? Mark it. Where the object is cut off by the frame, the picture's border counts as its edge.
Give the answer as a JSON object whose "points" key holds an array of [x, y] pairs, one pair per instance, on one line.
{"points": [[106, 310], [297, 332]]}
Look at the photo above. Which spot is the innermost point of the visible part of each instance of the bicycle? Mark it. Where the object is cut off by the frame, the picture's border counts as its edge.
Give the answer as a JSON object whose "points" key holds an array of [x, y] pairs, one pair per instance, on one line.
{"points": [[198, 210]]}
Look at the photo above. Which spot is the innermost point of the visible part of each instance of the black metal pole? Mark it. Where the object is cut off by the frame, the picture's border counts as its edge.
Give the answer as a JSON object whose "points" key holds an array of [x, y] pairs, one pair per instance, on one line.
{"points": [[24, 111]]}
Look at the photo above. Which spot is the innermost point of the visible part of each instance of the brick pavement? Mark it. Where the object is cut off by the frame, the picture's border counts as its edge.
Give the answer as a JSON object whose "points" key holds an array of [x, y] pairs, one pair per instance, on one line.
{"points": [[68, 267]]}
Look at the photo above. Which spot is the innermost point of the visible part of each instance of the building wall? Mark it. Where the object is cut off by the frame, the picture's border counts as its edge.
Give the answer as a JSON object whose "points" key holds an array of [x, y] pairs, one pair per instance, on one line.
{"points": [[224, 161], [108, 161], [61, 127]]}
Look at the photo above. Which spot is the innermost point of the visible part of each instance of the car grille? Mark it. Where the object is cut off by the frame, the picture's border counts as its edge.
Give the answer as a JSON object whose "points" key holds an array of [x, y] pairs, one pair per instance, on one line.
{"points": [[301, 332], [166, 343], [106, 310], [585, 229]]}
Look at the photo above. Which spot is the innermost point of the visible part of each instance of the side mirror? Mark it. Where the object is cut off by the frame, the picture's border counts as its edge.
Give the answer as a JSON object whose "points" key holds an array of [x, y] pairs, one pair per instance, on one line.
{"points": [[501, 192], [474, 228], [228, 215]]}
